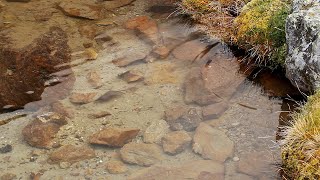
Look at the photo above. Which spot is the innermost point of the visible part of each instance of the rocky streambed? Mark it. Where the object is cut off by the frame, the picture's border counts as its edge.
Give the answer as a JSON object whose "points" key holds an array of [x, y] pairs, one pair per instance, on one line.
{"points": [[119, 90]]}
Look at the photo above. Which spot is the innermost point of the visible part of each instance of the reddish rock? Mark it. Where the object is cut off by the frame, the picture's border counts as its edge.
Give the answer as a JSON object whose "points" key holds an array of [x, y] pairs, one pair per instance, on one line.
{"points": [[188, 170], [212, 143], [109, 96], [41, 131], [116, 167], [82, 98], [129, 59], [28, 69], [59, 108], [71, 154], [176, 142], [161, 51], [88, 31], [94, 79], [182, 118], [145, 25], [110, 5], [131, 76], [114, 137], [81, 10], [141, 154], [100, 114], [213, 111]]}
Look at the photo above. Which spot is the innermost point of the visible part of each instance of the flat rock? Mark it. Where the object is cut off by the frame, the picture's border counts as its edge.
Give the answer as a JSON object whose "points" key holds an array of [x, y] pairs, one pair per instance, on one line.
{"points": [[88, 11], [213, 111], [88, 31], [256, 163], [183, 52], [182, 118], [109, 5], [131, 76], [116, 167], [108, 96], [141, 154], [161, 51], [59, 108], [41, 131], [99, 114], [94, 79], [129, 59], [176, 142], [156, 131], [113, 137], [212, 143], [145, 25], [82, 98], [71, 154], [189, 170]]}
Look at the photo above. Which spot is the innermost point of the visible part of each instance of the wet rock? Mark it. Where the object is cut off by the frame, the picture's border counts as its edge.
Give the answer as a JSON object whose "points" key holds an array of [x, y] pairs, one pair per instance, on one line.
{"points": [[105, 22], [43, 15], [145, 25], [239, 176], [8, 176], [155, 132], [94, 79], [87, 44], [189, 170], [109, 96], [88, 31], [141, 154], [255, 163], [114, 137], [18, 0], [116, 167], [176, 142], [90, 54], [5, 149], [129, 59], [41, 131], [212, 143], [161, 51], [131, 76], [110, 5], [88, 11], [183, 52], [213, 111], [59, 108], [182, 118], [82, 98], [71, 154], [31, 66], [100, 114], [102, 38], [213, 84]]}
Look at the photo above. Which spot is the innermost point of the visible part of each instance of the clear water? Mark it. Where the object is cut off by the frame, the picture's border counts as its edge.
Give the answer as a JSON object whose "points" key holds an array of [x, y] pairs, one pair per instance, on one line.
{"points": [[250, 118]]}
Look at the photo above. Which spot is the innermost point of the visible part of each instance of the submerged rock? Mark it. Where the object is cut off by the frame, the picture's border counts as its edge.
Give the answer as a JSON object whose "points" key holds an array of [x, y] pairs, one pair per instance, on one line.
{"points": [[82, 98], [116, 167], [94, 79], [155, 132], [131, 76], [141, 154], [113, 137], [109, 96], [28, 69], [303, 40], [71, 154], [88, 11], [110, 5], [176, 142]]}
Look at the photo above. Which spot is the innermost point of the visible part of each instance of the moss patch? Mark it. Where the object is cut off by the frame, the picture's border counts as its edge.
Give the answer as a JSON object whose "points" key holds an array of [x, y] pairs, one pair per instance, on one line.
{"points": [[301, 149]]}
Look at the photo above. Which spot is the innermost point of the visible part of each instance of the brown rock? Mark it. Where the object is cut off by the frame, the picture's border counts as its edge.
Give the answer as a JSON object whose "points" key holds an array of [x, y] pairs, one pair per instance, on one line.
{"points": [[141, 154], [176, 142], [82, 98], [114, 137], [102, 38], [213, 111], [8, 176], [212, 143], [145, 25], [156, 131], [109, 96], [41, 131], [90, 54], [18, 0], [189, 170], [94, 79], [161, 51], [116, 167], [88, 31], [110, 5], [131, 76], [59, 108], [100, 114], [82, 10], [256, 163], [182, 118], [32, 66], [129, 59], [190, 50], [71, 154]]}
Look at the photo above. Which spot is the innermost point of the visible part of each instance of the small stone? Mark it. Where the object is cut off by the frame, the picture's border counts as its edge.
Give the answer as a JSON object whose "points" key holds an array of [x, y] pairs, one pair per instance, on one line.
{"points": [[182, 118], [156, 131], [102, 38], [255, 163], [131, 76], [236, 159], [82, 98], [161, 51], [6, 149], [87, 44], [141, 154], [94, 79], [64, 165], [109, 96], [82, 10], [91, 54], [113, 137], [8, 176], [212, 143], [213, 111], [71, 154], [176, 142], [105, 22], [129, 59], [100, 114], [116, 167], [88, 31], [59, 108]]}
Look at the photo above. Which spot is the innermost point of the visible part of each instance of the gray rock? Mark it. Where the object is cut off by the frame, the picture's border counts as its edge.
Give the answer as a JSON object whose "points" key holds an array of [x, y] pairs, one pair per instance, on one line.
{"points": [[303, 40], [155, 132]]}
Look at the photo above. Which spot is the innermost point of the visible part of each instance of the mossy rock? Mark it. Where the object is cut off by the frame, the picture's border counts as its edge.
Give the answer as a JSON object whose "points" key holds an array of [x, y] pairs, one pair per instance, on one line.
{"points": [[260, 27], [301, 149]]}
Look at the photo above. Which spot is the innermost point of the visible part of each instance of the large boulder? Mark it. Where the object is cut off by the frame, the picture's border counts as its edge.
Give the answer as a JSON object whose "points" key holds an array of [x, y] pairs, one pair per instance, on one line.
{"points": [[303, 39]]}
